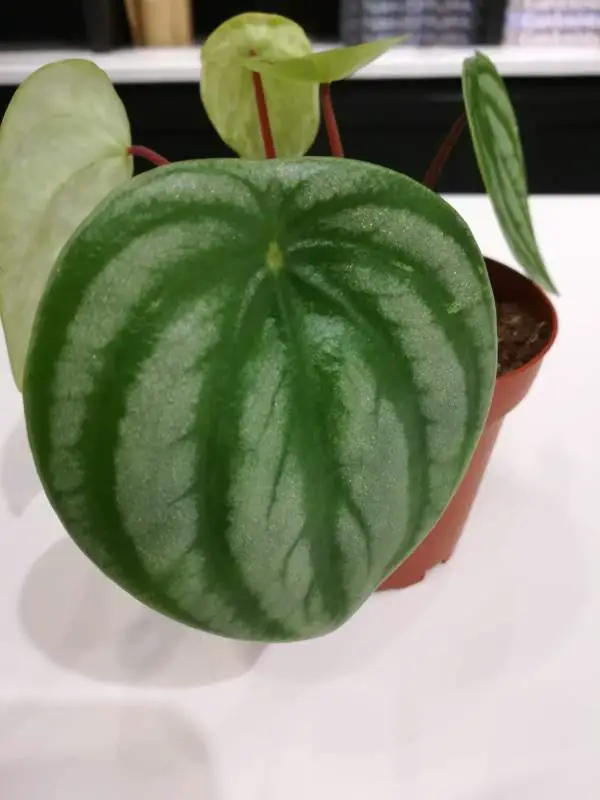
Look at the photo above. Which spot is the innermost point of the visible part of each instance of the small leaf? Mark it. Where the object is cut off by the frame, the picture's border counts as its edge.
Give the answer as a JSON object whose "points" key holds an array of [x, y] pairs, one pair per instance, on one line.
{"points": [[328, 65], [63, 148], [228, 94], [497, 144]]}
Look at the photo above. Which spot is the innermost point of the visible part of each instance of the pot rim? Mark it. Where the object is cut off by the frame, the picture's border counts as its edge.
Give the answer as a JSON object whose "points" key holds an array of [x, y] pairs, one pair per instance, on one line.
{"points": [[552, 313]]}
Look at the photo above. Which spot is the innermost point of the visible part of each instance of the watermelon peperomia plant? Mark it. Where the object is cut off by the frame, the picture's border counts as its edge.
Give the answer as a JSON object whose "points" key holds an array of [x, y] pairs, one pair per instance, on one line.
{"points": [[251, 385]]}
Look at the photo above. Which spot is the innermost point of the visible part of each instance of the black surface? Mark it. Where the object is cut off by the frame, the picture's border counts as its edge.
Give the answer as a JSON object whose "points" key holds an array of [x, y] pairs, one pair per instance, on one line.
{"points": [[400, 124], [319, 18], [41, 23]]}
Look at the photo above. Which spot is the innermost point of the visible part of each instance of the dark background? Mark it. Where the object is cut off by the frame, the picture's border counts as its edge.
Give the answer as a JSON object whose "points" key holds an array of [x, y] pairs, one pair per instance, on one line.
{"points": [[398, 123]]}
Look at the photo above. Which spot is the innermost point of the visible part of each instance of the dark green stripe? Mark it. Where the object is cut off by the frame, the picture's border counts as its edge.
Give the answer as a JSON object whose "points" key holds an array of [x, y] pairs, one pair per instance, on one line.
{"points": [[526, 249], [313, 430], [122, 361], [430, 291], [106, 407], [215, 168], [81, 263], [218, 416], [481, 100], [503, 111], [381, 348], [326, 230], [478, 101]]}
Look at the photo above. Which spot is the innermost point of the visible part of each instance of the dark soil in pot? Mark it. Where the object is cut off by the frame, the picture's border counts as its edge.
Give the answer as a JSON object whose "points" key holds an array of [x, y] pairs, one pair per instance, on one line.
{"points": [[521, 336], [527, 328]]}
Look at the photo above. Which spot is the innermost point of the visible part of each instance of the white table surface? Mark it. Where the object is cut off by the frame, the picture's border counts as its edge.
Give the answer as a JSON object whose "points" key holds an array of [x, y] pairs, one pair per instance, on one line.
{"points": [[482, 683], [182, 64]]}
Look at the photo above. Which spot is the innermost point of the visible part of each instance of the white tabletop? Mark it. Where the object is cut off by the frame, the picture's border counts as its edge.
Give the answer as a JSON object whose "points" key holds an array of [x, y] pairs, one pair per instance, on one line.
{"points": [[482, 683], [182, 64]]}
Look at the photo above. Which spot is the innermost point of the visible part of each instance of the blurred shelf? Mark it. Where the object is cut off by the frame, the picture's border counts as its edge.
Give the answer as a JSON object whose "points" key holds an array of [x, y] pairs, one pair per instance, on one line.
{"points": [[182, 65]]}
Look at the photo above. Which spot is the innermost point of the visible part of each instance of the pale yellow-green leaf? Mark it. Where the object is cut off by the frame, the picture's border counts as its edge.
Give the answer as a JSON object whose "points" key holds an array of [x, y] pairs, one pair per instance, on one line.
{"points": [[63, 148], [228, 94], [328, 65]]}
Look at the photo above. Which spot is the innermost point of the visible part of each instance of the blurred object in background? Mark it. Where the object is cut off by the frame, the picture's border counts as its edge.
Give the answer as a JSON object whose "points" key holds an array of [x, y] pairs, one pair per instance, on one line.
{"points": [[102, 25], [490, 21], [134, 18], [106, 24], [553, 22], [365, 20], [425, 22], [456, 22], [163, 23], [99, 25]]}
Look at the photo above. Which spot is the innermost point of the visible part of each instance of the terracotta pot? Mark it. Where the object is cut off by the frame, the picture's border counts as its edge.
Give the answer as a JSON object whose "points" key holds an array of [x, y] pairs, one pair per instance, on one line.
{"points": [[510, 389]]}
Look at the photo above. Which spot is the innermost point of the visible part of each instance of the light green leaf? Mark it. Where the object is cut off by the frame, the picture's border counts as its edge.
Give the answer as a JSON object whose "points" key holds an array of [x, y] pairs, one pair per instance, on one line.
{"points": [[253, 387], [327, 66], [228, 93], [63, 148], [497, 144]]}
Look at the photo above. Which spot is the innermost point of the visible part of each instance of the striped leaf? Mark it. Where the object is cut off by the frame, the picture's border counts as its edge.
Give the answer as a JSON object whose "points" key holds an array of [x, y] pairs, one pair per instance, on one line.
{"points": [[497, 144], [253, 387], [228, 94], [63, 148], [326, 66]]}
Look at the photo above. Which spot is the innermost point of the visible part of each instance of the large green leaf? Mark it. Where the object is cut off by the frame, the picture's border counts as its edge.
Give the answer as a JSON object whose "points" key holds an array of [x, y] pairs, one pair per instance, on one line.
{"points": [[497, 144], [228, 93], [328, 65], [254, 386], [63, 148]]}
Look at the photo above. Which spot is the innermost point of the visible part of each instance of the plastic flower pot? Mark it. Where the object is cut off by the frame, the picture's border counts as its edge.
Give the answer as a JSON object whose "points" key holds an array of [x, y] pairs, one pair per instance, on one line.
{"points": [[510, 390]]}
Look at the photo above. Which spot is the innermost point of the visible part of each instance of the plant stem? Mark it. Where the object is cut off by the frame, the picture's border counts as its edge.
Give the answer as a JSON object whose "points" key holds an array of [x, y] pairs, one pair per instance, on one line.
{"points": [[145, 152], [333, 133], [436, 167], [263, 116]]}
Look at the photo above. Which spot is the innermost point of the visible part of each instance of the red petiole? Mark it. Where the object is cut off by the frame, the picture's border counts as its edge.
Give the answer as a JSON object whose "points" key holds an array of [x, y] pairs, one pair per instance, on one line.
{"points": [[263, 114], [436, 167], [333, 133], [145, 152]]}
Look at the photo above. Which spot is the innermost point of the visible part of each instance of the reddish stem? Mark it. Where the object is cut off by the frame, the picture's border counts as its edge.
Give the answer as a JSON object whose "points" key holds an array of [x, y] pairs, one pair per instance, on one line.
{"points": [[263, 116], [333, 133], [436, 167], [149, 155]]}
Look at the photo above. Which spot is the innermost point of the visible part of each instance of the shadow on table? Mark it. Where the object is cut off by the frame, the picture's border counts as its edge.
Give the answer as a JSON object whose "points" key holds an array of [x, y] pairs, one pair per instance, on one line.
{"points": [[84, 622], [18, 477], [99, 752]]}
